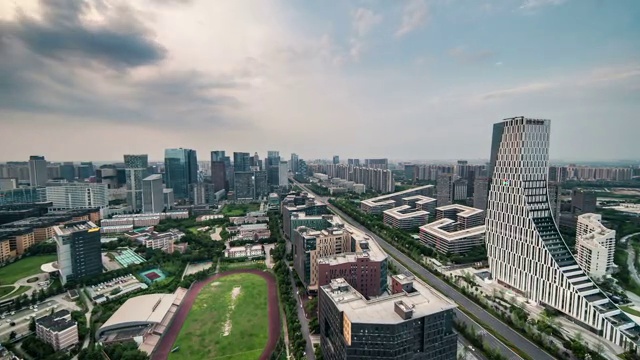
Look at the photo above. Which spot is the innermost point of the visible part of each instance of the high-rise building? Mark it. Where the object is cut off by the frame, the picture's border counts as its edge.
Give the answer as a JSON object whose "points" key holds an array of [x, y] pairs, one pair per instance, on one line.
{"points": [[414, 322], [168, 198], [444, 189], [273, 168], [218, 170], [283, 174], [218, 155], [244, 185], [8, 183], [37, 171], [152, 194], [409, 172], [261, 184], [462, 168], [181, 170], [480, 193], [377, 163], [595, 245], [77, 195], [583, 201], [86, 170], [457, 229], [293, 164], [78, 247], [136, 169], [68, 171], [525, 249], [336, 159], [241, 161], [353, 162]]}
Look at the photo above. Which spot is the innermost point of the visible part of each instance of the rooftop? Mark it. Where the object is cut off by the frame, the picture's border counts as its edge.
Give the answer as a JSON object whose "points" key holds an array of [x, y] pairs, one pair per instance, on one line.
{"points": [[68, 228], [423, 301], [405, 212], [437, 228], [153, 177], [463, 210], [365, 247], [150, 308], [57, 321], [379, 200]]}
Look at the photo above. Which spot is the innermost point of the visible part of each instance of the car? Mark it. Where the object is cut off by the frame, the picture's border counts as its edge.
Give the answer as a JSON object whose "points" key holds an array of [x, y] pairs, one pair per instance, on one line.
{"points": [[30, 306], [35, 310], [12, 323], [13, 313]]}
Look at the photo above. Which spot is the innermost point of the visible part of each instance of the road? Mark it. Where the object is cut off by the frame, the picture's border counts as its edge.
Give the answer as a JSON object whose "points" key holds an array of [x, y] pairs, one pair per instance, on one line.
{"points": [[631, 257], [304, 322], [503, 329]]}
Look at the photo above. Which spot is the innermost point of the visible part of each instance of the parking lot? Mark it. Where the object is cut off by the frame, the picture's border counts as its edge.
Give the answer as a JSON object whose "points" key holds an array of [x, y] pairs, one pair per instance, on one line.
{"points": [[22, 318], [114, 288]]}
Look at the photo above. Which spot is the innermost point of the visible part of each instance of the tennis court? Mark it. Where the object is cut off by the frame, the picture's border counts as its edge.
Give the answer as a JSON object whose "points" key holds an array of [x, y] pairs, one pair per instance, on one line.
{"points": [[153, 275]]}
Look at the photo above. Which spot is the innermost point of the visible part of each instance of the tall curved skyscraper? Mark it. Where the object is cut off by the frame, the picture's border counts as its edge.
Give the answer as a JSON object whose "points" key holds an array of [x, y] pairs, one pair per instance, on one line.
{"points": [[525, 249]]}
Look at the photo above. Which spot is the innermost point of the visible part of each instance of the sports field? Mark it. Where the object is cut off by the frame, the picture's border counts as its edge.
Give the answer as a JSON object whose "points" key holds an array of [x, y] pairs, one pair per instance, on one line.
{"points": [[229, 320], [22, 268]]}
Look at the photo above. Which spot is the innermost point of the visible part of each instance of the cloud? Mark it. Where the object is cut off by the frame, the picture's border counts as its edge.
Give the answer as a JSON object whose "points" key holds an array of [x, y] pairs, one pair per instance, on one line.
{"points": [[537, 4], [61, 35], [364, 20], [105, 69], [414, 15], [519, 90], [621, 75], [463, 55]]}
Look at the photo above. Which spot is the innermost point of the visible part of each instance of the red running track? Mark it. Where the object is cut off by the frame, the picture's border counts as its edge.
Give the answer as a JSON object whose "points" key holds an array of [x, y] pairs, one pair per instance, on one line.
{"points": [[170, 336]]}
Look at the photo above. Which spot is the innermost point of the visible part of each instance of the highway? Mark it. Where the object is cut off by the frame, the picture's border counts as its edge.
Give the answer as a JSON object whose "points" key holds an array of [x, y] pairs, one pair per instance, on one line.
{"points": [[503, 329]]}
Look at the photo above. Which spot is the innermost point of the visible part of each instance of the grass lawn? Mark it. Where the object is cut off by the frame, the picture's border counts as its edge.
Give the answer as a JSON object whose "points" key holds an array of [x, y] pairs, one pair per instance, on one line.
{"points": [[239, 209], [202, 337], [5, 290], [629, 310], [21, 290], [23, 268]]}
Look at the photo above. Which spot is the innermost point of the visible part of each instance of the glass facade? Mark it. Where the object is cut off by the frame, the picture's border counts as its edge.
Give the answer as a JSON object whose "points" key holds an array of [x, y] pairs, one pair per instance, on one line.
{"points": [[22, 195], [181, 170]]}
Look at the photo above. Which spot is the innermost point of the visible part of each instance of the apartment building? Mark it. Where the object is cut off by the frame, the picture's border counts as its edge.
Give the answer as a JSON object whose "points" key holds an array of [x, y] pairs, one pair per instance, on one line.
{"points": [[58, 330], [309, 245], [414, 322], [595, 245], [365, 268]]}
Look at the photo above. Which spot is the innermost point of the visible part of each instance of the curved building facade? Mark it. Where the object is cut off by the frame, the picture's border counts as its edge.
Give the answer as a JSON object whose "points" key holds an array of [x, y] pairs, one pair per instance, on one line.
{"points": [[525, 249]]}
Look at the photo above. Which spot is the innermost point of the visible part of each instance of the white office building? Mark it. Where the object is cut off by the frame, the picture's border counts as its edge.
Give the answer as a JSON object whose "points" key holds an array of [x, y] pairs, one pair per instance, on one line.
{"points": [[525, 249], [595, 245], [283, 173], [152, 194], [78, 195]]}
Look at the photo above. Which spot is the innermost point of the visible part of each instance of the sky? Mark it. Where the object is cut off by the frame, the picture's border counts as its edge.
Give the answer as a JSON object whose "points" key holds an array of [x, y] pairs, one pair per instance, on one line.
{"points": [[410, 80]]}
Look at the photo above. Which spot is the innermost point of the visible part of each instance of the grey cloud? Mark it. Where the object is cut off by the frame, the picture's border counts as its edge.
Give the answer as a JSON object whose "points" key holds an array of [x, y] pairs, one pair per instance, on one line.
{"points": [[60, 35], [58, 66]]}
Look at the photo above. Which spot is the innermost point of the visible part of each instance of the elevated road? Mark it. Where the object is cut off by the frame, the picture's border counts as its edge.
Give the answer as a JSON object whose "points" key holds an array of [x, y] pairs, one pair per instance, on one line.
{"points": [[515, 338]]}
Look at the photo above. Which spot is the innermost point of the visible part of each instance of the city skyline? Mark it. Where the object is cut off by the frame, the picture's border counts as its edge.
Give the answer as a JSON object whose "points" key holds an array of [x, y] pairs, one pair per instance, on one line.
{"points": [[279, 70]]}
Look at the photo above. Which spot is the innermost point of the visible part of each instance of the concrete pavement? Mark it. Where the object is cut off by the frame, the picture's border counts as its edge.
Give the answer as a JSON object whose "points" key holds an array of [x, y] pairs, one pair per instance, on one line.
{"points": [[509, 334], [304, 322]]}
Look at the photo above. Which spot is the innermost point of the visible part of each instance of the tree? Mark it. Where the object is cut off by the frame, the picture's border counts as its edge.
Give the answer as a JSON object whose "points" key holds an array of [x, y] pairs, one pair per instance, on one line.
{"points": [[32, 324], [12, 335]]}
